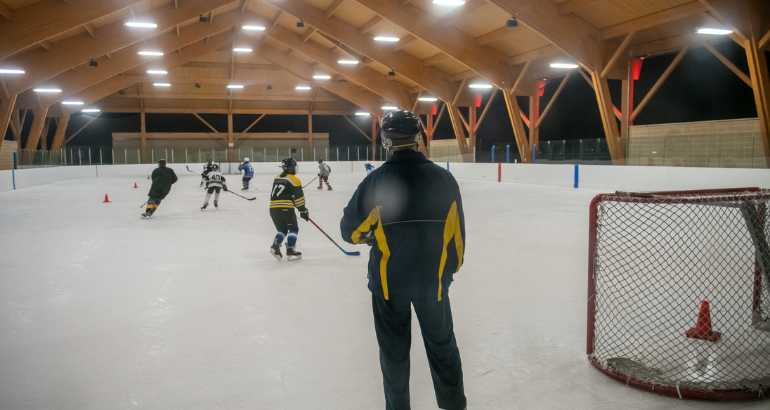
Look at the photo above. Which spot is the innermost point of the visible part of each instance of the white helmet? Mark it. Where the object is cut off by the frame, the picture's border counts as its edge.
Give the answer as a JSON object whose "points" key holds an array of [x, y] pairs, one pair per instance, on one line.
{"points": [[246, 159]]}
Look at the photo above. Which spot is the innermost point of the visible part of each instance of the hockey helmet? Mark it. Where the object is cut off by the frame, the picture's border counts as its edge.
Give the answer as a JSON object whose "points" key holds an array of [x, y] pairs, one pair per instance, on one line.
{"points": [[214, 167], [208, 160], [246, 159], [289, 165], [320, 160], [400, 128], [162, 163]]}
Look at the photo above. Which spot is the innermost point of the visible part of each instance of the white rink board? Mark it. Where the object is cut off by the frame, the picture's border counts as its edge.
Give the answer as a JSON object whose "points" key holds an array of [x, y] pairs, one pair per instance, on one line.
{"points": [[188, 310]]}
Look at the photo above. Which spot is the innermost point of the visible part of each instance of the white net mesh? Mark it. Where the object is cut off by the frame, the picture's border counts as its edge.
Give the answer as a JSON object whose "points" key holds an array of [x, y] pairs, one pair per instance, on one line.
{"points": [[655, 261]]}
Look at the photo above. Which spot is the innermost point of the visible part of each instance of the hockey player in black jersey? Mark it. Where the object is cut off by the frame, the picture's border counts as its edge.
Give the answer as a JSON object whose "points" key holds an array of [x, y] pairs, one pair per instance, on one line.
{"points": [[284, 197], [215, 182], [207, 167], [162, 179]]}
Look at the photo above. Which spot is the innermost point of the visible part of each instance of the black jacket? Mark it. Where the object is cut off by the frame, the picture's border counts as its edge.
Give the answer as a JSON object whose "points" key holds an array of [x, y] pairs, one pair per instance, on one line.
{"points": [[163, 177], [415, 212]]}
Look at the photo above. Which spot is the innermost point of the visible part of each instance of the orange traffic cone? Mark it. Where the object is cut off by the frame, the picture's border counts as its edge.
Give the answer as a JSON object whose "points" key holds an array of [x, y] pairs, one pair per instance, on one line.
{"points": [[106, 199], [702, 329], [148, 177], [135, 185]]}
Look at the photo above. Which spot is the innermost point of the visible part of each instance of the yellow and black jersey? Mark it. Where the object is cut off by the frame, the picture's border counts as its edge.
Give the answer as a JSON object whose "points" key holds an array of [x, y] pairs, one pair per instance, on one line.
{"points": [[413, 210], [287, 193]]}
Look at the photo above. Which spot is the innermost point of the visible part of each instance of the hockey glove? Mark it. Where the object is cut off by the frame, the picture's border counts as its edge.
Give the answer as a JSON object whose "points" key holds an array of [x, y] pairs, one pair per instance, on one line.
{"points": [[224, 188], [304, 214], [367, 238]]}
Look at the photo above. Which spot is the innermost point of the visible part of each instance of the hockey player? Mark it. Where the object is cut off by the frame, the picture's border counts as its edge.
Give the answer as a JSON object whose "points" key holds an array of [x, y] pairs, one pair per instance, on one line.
{"points": [[369, 168], [215, 182], [323, 174], [248, 173], [162, 179], [206, 169], [411, 213], [284, 197]]}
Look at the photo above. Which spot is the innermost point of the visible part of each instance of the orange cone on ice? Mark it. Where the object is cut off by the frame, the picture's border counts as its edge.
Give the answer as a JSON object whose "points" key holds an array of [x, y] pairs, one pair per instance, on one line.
{"points": [[702, 329], [148, 177], [106, 199], [135, 185]]}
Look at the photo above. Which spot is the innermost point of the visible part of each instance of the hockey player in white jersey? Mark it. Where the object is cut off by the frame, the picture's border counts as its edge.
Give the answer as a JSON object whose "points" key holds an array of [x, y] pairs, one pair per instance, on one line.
{"points": [[215, 182]]}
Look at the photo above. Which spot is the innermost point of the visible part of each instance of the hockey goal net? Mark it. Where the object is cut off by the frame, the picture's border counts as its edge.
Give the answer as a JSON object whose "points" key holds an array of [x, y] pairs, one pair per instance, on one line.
{"points": [[679, 291]]}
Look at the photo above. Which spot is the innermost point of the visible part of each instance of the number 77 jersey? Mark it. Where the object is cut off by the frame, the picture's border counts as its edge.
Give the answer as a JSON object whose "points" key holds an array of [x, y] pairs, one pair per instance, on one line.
{"points": [[287, 193]]}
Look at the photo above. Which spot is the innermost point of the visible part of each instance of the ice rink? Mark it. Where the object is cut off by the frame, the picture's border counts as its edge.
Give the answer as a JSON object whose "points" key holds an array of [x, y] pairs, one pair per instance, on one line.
{"points": [[188, 310]]}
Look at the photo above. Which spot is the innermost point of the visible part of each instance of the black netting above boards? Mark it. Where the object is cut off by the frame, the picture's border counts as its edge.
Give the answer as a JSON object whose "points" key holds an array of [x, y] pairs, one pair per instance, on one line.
{"points": [[679, 296]]}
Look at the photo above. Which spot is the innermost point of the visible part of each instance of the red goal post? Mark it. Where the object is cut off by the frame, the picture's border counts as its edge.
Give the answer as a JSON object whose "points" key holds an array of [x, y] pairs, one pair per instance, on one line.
{"points": [[655, 260]]}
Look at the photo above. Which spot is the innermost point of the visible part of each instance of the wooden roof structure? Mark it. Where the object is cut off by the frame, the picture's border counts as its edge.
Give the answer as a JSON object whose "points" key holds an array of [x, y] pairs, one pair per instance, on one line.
{"points": [[85, 49]]}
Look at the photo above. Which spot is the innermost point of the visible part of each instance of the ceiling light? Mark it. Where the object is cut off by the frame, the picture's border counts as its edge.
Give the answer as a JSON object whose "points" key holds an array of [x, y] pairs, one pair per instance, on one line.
{"points": [[480, 86], [157, 72], [347, 61], [388, 39], [90, 110], [322, 76], [254, 27], [389, 107], [150, 53], [93, 63], [242, 50], [46, 90], [430, 99], [715, 31], [161, 84], [140, 24], [11, 71], [564, 65], [72, 102], [362, 114], [302, 87], [449, 2], [235, 86]]}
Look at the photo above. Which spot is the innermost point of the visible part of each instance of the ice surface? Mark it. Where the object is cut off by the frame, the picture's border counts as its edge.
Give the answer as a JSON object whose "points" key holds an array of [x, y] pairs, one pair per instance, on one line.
{"points": [[188, 310]]}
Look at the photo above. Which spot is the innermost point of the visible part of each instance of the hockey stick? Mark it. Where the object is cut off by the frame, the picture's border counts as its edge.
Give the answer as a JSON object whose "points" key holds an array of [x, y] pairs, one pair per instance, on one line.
{"points": [[248, 199], [255, 188], [311, 181], [145, 203], [188, 168], [354, 253]]}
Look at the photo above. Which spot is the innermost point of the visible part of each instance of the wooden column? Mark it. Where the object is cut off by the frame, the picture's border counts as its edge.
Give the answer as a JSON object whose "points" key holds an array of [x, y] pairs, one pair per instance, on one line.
{"points": [[37, 128], [61, 129], [457, 125], [534, 117], [374, 136], [310, 132], [607, 111], [760, 82], [514, 114], [472, 125], [230, 140], [44, 134], [6, 109], [143, 130]]}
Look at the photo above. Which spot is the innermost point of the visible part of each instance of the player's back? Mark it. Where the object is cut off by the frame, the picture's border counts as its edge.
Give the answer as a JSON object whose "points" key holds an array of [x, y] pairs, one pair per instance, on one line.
{"points": [[215, 178], [286, 192]]}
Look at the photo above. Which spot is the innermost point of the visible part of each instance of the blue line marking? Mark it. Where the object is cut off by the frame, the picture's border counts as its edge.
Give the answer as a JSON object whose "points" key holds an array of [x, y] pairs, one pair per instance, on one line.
{"points": [[576, 175], [13, 175]]}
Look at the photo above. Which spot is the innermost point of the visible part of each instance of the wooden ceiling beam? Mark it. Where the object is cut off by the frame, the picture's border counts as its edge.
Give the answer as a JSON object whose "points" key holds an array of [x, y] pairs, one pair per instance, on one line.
{"points": [[571, 6], [251, 111], [732, 14], [661, 17], [460, 12], [663, 46], [6, 12], [224, 95], [435, 59], [90, 29], [487, 62], [308, 33], [536, 54], [47, 45], [333, 8], [737, 71], [407, 40], [615, 56], [369, 25], [44, 19], [495, 35]]}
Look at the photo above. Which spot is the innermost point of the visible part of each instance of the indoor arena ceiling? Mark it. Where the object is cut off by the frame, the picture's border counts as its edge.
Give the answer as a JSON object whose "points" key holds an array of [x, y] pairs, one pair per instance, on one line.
{"points": [[86, 49]]}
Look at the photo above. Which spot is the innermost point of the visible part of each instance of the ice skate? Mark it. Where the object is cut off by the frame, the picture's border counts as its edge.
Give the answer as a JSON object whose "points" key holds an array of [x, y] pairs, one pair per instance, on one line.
{"points": [[146, 215], [204, 206], [201, 185], [292, 254], [215, 204], [275, 250], [320, 187], [330, 189]]}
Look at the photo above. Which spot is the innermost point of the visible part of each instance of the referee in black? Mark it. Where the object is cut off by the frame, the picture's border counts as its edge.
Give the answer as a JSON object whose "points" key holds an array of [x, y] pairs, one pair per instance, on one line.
{"points": [[410, 211]]}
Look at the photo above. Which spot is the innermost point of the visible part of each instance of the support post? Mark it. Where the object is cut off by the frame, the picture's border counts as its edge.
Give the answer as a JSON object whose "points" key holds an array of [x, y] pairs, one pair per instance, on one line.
{"points": [[6, 109], [144, 136], [37, 128], [61, 129], [514, 114]]}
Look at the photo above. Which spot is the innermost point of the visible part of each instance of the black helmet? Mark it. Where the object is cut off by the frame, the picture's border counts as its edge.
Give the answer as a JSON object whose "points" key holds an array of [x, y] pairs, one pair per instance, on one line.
{"points": [[208, 160], [320, 160], [289, 165], [400, 128], [215, 167], [162, 163]]}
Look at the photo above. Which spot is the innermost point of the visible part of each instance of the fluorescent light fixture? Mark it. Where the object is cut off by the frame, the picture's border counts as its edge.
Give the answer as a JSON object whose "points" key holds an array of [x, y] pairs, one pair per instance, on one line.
{"points": [[141, 24], [564, 65], [254, 27], [72, 102], [322, 76], [161, 84], [46, 90], [389, 107], [715, 31], [157, 72], [387, 39], [235, 86], [302, 87], [449, 2], [362, 114], [480, 86], [150, 53], [11, 71], [90, 110], [347, 61], [242, 50], [431, 99]]}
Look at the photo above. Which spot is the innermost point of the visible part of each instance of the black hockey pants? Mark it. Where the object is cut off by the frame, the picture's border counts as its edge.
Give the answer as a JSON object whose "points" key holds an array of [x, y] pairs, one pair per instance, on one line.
{"points": [[392, 322]]}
